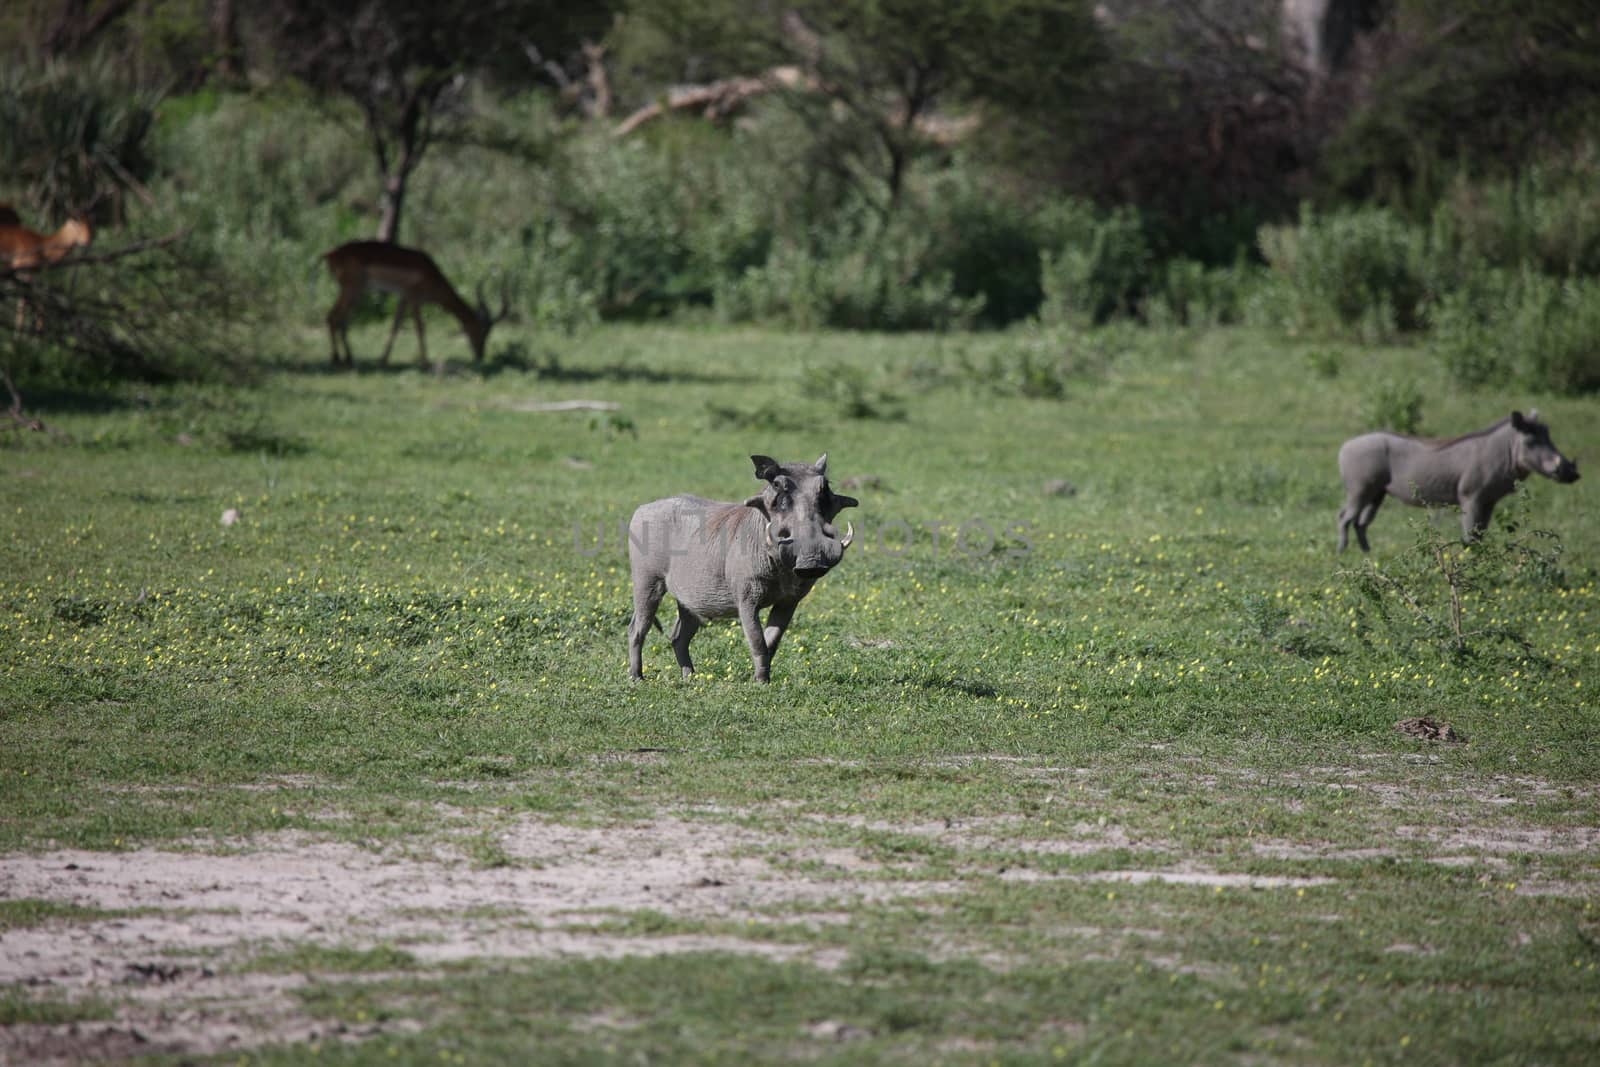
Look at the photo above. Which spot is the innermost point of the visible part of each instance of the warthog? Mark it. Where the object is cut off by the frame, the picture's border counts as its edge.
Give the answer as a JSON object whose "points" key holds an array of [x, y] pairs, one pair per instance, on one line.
{"points": [[720, 560], [1473, 471]]}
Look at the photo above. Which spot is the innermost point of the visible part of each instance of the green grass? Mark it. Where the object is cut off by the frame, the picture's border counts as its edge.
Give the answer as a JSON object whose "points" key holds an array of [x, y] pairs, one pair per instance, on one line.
{"points": [[410, 634], [19, 913]]}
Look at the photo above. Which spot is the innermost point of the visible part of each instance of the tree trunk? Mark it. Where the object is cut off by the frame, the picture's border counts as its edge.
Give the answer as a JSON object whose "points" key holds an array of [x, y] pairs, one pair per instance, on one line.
{"points": [[224, 26], [75, 26], [394, 202]]}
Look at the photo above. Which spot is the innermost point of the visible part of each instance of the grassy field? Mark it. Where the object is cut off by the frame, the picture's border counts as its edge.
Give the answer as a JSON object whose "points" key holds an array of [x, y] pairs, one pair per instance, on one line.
{"points": [[1086, 753]]}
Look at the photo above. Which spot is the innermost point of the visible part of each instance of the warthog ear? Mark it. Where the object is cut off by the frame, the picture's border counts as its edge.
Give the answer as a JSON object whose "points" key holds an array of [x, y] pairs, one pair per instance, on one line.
{"points": [[822, 464], [840, 502], [766, 467], [1519, 423], [758, 502]]}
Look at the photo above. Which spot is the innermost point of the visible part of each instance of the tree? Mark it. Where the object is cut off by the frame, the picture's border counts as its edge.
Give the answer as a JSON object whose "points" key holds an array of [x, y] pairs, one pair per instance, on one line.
{"points": [[870, 76], [404, 63], [1483, 87]]}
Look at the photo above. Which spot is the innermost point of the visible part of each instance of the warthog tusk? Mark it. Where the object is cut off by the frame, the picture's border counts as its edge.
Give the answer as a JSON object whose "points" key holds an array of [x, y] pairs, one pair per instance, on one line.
{"points": [[769, 533], [849, 535]]}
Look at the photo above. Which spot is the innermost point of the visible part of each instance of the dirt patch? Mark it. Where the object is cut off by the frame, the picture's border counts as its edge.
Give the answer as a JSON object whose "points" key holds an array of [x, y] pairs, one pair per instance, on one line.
{"points": [[1539, 840], [1177, 876], [177, 970], [553, 890]]}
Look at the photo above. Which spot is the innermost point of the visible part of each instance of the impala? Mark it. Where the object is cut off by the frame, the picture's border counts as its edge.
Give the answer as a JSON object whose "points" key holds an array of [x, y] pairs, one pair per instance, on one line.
{"points": [[22, 249], [416, 279]]}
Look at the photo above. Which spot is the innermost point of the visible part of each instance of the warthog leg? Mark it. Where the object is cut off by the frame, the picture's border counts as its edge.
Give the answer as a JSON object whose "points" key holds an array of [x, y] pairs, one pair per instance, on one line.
{"points": [[683, 632], [777, 622], [1475, 518], [750, 620], [1358, 513], [646, 599]]}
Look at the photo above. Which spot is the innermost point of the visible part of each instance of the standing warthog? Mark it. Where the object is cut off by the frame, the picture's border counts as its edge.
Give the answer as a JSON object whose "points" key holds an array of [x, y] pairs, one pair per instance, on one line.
{"points": [[719, 560], [1473, 471]]}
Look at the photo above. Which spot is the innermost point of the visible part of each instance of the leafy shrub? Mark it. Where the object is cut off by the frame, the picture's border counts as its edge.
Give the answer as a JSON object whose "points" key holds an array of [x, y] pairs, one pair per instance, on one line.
{"points": [[1542, 332], [987, 242], [161, 314], [1462, 329], [652, 227], [1393, 404], [847, 390], [76, 136], [1546, 218], [1098, 265], [1192, 294], [1443, 596], [267, 206], [1554, 335], [1042, 363], [1325, 362], [1362, 270], [877, 277]]}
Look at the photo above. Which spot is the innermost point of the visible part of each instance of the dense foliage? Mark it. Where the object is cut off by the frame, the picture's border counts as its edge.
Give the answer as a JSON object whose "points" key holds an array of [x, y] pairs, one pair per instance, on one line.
{"points": [[863, 165]]}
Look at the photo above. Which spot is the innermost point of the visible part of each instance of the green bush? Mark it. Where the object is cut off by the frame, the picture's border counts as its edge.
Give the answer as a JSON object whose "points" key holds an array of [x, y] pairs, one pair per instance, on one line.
{"points": [[1541, 332], [271, 203], [1098, 265], [1362, 270], [1547, 219], [74, 137], [1462, 328], [1393, 404], [167, 313], [872, 276], [988, 242], [1192, 294]]}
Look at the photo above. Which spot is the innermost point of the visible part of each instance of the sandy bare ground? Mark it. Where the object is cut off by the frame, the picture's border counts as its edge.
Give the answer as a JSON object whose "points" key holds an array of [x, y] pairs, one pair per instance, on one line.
{"points": [[176, 969], [174, 965]]}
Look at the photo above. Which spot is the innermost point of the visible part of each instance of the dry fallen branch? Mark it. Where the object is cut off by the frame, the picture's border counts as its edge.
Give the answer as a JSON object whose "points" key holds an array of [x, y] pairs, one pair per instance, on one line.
{"points": [[566, 405], [717, 99]]}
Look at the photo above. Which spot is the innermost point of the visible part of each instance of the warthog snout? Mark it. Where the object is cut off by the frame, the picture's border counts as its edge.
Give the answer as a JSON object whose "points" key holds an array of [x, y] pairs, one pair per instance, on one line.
{"points": [[1567, 472]]}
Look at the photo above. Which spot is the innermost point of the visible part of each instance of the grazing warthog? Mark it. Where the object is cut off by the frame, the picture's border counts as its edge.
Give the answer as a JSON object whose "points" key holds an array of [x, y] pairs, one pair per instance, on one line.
{"points": [[719, 560], [1473, 471]]}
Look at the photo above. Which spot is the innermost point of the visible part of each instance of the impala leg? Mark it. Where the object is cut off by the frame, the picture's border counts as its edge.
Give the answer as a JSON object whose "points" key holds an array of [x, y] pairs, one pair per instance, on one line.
{"points": [[422, 340], [338, 321], [394, 330]]}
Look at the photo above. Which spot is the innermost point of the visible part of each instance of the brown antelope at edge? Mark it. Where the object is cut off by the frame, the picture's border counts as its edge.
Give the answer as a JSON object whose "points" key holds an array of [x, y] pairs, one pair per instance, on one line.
{"points": [[22, 249], [416, 279], [25, 249], [1473, 471]]}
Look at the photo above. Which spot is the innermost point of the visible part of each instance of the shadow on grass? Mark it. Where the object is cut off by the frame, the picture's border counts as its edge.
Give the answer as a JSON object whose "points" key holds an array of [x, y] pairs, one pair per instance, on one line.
{"points": [[954, 685]]}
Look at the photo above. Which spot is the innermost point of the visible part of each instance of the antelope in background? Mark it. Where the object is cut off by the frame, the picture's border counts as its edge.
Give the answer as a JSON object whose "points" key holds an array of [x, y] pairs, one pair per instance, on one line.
{"points": [[22, 249], [416, 279]]}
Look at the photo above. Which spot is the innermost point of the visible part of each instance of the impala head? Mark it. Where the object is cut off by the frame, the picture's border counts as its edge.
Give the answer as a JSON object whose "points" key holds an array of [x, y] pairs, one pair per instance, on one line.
{"points": [[800, 509], [74, 233], [478, 334], [1533, 450]]}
